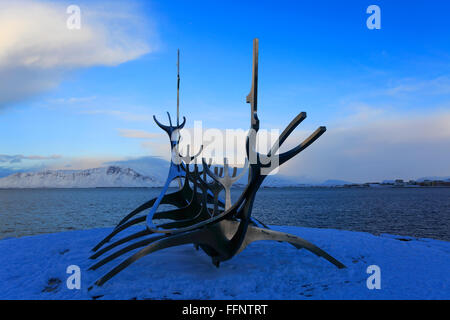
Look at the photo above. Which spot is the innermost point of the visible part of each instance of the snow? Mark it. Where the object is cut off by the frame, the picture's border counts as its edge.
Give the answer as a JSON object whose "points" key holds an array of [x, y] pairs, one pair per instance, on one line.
{"points": [[148, 166], [35, 268], [106, 177], [140, 174]]}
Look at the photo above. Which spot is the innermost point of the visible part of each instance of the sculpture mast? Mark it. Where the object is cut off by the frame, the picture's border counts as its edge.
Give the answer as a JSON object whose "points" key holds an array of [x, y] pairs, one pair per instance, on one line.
{"points": [[180, 185], [252, 98], [178, 88]]}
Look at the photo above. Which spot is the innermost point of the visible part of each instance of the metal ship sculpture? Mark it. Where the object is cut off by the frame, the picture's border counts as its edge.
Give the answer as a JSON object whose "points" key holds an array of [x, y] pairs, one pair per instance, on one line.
{"points": [[221, 228]]}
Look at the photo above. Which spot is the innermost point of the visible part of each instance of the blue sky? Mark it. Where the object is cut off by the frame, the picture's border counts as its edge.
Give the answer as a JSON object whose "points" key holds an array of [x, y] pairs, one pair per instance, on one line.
{"points": [[88, 98]]}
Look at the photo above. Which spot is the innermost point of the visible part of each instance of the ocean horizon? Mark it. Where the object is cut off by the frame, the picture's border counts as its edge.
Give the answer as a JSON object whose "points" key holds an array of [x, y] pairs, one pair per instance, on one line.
{"points": [[410, 212]]}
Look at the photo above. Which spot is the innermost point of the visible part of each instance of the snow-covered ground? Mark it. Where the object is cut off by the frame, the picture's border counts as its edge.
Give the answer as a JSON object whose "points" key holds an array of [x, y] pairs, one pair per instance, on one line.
{"points": [[35, 268]]}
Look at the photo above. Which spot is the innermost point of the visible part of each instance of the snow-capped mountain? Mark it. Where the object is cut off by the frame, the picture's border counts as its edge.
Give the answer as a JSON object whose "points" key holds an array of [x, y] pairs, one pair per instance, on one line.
{"points": [[104, 177], [148, 166], [108, 177], [279, 181], [140, 172], [157, 167]]}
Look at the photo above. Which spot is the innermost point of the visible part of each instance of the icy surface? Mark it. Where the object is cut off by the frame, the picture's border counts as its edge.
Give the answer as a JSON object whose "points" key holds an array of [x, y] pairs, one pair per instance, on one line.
{"points": [[35, 268]]}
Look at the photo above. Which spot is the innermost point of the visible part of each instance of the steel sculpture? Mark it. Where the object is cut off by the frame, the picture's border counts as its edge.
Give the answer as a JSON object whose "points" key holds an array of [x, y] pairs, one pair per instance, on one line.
{"points": [[220, 228]]}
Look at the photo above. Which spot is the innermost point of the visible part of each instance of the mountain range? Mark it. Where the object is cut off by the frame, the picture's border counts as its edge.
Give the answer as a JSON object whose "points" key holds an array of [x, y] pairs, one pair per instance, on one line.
{"points": [[104, 177], [142, 172]]}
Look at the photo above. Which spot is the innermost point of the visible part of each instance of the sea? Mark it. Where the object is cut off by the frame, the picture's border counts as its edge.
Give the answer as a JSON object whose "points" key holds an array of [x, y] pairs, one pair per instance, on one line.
{"points": [[410, 212]]}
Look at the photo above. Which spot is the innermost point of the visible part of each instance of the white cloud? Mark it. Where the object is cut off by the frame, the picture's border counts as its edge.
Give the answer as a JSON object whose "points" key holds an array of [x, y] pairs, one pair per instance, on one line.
{"points": [[370, 144], [72, 100], [387, 146], [37, 48], [384, 145], [10, 164], [123, 115], [79, 163], [138, 134], [4, 158], [155, 143], [435, 86]]}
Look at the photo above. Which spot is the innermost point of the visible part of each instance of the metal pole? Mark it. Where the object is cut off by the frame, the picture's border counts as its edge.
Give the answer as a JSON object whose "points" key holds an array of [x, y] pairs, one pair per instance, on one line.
{"points": [[180, 184], [178, 88], [252, 99]]}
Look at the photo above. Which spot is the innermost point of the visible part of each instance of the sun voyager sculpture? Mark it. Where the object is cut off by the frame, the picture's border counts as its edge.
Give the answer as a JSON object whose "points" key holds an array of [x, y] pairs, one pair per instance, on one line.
{"points": [[221, 228]]}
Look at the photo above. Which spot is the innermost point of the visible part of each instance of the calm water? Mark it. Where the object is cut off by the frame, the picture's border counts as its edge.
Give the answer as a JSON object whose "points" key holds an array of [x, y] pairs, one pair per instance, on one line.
{"points": [[418, 212]]}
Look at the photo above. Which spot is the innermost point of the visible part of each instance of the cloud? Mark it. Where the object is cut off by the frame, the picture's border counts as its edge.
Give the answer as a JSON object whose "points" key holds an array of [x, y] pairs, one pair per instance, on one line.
{"points": [[368, 144], [138, 134], [79, 163], [72, 100], [435, 86], [215, 144], [387, 146], [19, 157], [123, 115], [155, 143], [37, 49], [10, 164], [380, 145]]}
